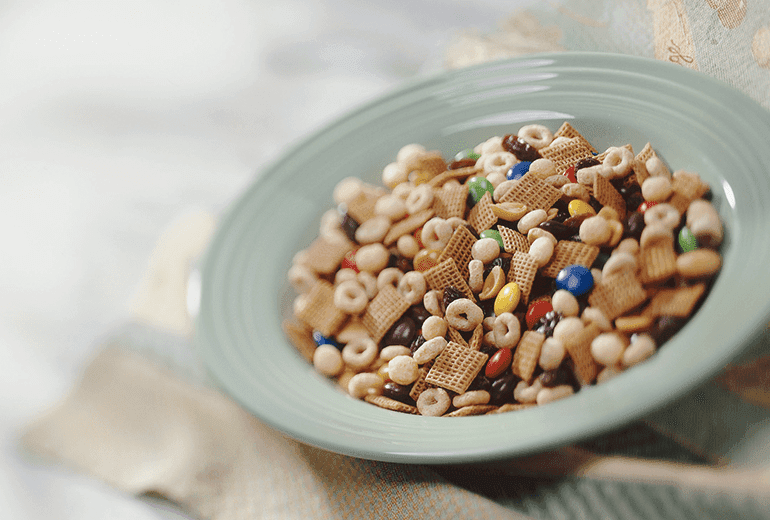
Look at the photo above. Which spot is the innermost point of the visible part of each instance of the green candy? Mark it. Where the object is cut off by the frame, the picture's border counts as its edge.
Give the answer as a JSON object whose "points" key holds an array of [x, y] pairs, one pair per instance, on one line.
{"points": [[493, 233], [468, 153], [687, 241], [477, 187]]}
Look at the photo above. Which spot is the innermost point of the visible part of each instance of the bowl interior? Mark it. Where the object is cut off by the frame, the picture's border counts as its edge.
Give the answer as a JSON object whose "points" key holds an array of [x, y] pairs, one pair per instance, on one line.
{"points": [[693, 122]]}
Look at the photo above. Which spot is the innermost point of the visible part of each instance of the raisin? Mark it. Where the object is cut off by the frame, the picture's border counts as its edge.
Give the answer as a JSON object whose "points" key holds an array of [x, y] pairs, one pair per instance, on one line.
{"points": [[451, 294], [521, 149]]}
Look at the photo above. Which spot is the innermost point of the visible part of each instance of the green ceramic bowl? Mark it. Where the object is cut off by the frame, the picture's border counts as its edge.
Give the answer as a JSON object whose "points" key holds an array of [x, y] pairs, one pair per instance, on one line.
{"points": [[694, 122]]}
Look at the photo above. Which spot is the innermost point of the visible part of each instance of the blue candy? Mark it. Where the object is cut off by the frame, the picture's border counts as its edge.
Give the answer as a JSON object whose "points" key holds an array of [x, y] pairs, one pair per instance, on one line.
{"points": [[320, 339], [576, 279], [518, 170]]}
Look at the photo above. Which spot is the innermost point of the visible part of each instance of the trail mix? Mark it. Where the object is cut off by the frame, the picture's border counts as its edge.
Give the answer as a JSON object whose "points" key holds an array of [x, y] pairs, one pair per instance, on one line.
{"points": [[512, 276]]}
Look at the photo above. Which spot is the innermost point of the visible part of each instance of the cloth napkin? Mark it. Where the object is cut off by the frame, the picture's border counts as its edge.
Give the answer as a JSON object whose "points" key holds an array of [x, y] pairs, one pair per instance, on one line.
{"points": [[146, 418]]}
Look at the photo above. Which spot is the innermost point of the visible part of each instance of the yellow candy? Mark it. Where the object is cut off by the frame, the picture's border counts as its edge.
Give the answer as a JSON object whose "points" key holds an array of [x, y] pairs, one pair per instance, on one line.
{"points": [[578, 207], [508, 298]]}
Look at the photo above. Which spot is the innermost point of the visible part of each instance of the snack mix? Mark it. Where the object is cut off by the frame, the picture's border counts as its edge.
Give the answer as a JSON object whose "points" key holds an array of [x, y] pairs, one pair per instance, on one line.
{"points": [[526, 268]]}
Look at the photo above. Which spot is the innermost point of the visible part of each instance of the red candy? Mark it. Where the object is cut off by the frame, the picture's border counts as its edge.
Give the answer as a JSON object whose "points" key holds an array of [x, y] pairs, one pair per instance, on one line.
{"points": [[536, 311], [644, 206], [570, 174], [348, 261], [498, 363]]}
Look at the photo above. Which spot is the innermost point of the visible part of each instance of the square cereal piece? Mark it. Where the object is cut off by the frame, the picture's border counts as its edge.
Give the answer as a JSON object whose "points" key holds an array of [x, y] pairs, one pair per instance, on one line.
{"points": [[678, 302], [579, 349], [478, 336], [657, 262], [527, 354], [459, 248], [383, 311], [427, 166], [301, 337], [523, 271], [481, 216], [533, 192], [473, 409], [419, 386], [390, 404], [607, 195], [317, 310], [361, 208], [456, 367], [454, 335], [616, 295], [567, 253], [459, 174], [567, 153], [325, 254], [513, 241], [445, 274], [450, 201], [689, 185], [568, 131], [406, 226], [646, 153]]}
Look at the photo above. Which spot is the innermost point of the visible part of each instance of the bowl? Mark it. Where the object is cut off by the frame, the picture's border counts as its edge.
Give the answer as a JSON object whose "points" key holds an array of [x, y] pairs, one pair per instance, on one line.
{"points": [[694, 122]]}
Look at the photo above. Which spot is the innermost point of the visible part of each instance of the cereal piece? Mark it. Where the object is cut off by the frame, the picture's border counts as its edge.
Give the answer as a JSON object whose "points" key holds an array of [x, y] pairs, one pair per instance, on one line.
{"points": [[675, 302], [526, 393], [657, 262], [566, 152], [513, 241], [390, 404], [476, 275], [578, 347], [456, 368], [407, 226], [301, 277], [436, 233], [360, 353], [318, 311], [389, 276], [433, 402], [523, 271], [383, 311], [476, 338], [481, 216], [391, 351], [688, 185], [463, 314], [616, 295], [365, 383], [567, 130], [704, 222], [361, 208], [527, 354], [412, 287], [372, 230], [324, 254], [301, 337], [607, 195], [454, 335], [420, 385], [460, 248], [445, 274], [474, 409], [350, 297], [534, 193], [352, 329], [425, 166], [567, 253], [511, 407], [450, 201], [433, 327], [537, 136], [506, 330], [459, 173]]}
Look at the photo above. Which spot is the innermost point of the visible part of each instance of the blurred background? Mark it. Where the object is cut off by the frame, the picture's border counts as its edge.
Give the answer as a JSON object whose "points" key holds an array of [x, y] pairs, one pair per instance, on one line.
{"points": [[117, 117]]}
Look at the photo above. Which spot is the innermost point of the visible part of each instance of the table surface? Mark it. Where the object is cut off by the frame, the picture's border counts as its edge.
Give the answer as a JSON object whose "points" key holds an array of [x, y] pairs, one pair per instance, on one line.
{"points": [[115, 118]]}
